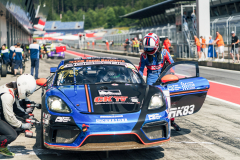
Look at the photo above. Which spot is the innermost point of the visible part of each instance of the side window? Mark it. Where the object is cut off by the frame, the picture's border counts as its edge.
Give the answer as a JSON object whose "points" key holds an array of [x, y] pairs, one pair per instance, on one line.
{"points": [[182, 70]]}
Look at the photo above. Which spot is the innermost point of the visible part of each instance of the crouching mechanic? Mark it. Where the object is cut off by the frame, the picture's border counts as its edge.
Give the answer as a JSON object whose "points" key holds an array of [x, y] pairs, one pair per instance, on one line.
{"points": [[11, 93], [151, 58]]}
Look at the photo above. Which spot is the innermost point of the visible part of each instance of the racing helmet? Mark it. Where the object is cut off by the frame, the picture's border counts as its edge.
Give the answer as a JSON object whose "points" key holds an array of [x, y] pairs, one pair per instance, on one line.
{"points": [[111, 74], [26, 85], [151, 43]]}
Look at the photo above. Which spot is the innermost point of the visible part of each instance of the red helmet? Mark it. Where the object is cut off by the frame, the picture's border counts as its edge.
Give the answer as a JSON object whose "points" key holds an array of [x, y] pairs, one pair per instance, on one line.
{"points": [[151, 43]]}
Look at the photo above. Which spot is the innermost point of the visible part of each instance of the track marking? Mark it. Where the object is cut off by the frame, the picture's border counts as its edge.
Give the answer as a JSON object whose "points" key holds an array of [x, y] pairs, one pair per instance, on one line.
{"points": [[194, 142], [224, 84], [234, 104], [224, 70]]}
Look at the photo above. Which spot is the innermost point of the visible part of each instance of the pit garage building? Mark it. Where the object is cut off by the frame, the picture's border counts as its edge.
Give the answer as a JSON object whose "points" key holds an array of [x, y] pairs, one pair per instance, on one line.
{"points": [[16, 21]]}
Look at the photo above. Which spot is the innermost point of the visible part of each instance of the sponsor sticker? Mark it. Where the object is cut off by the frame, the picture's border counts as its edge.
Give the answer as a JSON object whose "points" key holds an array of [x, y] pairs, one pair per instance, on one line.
{"points": [[110, 99], [114, 84], [128, 65], [63, 119], [182, 111], [46, 118], [118, 120], [188, 85], [109, 92], [134, 99], [175, 87], [155, 116], [112, 116]]}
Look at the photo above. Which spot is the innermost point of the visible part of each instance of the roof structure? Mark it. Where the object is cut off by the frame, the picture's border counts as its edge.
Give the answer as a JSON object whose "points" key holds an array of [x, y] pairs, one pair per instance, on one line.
{"points": [[155, 9]]}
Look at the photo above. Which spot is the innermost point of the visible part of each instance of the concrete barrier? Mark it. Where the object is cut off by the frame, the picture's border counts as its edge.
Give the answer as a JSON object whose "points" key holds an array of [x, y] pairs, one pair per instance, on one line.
{"points": [[223, 65], [115, 52]]}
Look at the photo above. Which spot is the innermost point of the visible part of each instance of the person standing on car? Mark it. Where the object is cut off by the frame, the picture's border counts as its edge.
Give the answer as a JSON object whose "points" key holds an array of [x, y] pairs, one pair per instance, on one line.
{"points": [[234, 49], [10, 93], [18, 55], [151, 58], [34, 50]]}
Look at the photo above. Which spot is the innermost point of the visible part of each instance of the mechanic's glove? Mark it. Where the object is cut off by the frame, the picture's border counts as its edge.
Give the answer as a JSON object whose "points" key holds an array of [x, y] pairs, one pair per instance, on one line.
{"points": [[26, 126], [29, 110]]}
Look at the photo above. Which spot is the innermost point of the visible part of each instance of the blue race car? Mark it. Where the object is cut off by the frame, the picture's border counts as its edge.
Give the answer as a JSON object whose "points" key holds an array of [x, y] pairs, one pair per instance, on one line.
{"points": [[103, 104]]}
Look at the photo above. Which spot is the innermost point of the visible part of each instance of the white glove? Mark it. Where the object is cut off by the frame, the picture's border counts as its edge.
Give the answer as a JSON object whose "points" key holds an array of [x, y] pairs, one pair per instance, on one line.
{"points": [[29, 110], [26, 126]]}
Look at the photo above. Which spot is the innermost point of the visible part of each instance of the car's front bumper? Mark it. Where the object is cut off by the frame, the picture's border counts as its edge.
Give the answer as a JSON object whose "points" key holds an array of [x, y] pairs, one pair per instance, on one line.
{"points": [[127, 131], [108, 146]]}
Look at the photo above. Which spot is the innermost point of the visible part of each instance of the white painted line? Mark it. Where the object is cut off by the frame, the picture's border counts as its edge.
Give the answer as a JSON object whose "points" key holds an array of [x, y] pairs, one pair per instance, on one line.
{"points": [[234, 104], [193, 142], [224, 84], [225, 70]]}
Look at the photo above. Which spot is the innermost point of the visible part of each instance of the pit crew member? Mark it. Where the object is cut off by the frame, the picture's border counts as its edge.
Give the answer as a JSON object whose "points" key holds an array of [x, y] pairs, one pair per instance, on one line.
{"points": [[18, 54], [10, 93], [5, 54]]}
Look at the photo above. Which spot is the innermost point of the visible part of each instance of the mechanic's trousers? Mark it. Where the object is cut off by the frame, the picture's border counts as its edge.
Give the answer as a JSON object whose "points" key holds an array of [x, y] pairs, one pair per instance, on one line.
{"points": [[35, 64], [7, 134]]}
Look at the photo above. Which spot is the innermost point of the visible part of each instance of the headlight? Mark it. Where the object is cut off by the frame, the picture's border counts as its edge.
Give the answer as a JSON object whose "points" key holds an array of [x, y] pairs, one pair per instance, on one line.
{"points": [[56, 104], [156, 101]]}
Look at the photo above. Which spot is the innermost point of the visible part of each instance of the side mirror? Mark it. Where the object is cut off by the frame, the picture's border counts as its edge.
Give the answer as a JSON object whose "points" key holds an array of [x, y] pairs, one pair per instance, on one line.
{"points": [[53, 69], [169, 78], [41, 82]]}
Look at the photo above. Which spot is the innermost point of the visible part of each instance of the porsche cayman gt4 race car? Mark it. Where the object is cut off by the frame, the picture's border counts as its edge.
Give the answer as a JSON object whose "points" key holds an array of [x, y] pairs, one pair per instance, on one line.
{"points": [[103, 104]]}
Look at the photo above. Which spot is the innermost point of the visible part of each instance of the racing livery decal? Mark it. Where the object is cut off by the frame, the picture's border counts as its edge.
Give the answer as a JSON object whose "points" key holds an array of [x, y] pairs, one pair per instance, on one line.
{"points": [[188, 85], [109, 92], [182, 111], [126, 98]]}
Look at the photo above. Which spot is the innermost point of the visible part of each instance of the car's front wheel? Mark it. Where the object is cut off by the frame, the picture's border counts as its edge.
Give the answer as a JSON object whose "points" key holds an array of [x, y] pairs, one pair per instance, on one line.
{"points": [[41, 133]]}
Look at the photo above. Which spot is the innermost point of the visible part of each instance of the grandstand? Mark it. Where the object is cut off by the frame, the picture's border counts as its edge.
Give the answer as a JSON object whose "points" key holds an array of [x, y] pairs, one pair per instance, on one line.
{"points": [[64, 27], [162, 18]]}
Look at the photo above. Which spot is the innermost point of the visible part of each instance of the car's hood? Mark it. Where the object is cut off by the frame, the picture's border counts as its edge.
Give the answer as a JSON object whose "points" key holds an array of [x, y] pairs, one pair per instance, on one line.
{"points": [[106, 98]]}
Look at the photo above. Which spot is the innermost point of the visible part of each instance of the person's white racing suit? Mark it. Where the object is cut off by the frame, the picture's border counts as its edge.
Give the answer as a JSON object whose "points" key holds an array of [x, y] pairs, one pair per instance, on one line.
{"points": [[8, 99]]}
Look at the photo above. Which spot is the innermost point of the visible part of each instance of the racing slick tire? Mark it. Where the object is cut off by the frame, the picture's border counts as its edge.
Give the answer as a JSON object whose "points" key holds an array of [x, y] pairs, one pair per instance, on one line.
{"points": [[4, 70], [41, 133]]}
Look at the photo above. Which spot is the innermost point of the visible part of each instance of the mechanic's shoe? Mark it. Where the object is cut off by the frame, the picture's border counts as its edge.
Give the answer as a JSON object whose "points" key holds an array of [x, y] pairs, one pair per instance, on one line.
{"points": [[217, 60], [175, 126], [4, 151]]}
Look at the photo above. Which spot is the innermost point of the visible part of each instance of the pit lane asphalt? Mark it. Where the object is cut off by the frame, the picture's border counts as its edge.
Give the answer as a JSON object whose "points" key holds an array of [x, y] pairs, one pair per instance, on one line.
{"points": [[212, 133]]}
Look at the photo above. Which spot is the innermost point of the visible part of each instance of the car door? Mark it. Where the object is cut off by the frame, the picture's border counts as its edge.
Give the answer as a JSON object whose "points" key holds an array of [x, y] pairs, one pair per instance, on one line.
{"points": [[186, 88]]}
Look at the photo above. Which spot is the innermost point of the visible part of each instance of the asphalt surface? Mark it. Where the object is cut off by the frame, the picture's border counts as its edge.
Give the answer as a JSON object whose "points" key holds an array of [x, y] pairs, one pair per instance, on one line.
{"points": [[212, 133]]}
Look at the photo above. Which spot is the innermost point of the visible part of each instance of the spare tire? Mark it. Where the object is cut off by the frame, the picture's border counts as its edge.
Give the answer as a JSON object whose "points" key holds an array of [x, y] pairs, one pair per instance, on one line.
{"points": [[4, 70]]}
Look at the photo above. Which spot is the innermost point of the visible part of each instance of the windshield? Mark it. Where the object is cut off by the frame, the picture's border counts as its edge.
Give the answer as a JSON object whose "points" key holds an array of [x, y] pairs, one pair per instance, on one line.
{"points": [[98, 74]]}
